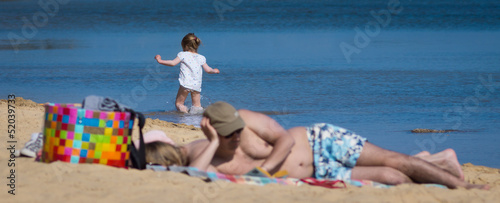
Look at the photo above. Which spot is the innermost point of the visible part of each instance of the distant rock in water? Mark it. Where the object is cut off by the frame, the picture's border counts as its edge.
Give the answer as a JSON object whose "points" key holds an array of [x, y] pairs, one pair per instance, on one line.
{"points": [[423, 130]]}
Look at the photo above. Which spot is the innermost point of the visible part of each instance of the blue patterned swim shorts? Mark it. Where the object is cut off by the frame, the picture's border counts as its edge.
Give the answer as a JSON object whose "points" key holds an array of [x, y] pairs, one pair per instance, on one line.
{"points": [[335, 151]]}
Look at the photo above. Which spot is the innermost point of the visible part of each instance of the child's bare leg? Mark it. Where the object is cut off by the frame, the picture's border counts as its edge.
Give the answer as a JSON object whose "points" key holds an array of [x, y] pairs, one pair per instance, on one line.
{"points": [[180, 99], [195, 98]]}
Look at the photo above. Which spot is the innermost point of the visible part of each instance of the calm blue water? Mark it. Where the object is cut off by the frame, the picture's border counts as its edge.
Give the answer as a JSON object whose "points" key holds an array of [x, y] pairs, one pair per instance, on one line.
{"points": [[433, 65]]}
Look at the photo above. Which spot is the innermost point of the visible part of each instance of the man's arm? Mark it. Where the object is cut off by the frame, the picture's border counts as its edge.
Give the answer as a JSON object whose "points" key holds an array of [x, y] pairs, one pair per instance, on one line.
{"points": [[202, 160], [271, 132]]}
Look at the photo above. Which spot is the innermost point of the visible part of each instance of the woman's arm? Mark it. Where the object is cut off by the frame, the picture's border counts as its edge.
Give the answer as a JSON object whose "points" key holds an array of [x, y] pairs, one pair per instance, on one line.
{"points": [[203, 160], [210, 70], [174, 62]]}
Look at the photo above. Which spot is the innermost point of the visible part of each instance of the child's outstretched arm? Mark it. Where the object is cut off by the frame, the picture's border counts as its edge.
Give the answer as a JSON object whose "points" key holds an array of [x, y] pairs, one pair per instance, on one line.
{"points": [[174, 62], [210, 70]]}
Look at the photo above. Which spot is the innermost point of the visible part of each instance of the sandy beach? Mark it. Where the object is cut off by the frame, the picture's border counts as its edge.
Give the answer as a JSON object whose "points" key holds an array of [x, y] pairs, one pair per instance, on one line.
{"points": [[58, 181]]}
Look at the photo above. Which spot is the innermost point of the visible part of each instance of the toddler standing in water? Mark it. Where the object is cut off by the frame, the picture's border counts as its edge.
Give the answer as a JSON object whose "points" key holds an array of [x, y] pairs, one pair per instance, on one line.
{"points": [[191, 74]]}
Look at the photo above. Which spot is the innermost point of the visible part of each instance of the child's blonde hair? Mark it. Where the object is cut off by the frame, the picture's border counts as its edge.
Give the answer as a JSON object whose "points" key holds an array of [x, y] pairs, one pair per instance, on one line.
{"points": [[164, 154], [190, 43]]}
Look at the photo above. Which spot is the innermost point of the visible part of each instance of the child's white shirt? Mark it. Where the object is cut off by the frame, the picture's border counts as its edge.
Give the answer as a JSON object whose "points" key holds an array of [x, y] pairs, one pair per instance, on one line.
{"points": [[191, 72]]}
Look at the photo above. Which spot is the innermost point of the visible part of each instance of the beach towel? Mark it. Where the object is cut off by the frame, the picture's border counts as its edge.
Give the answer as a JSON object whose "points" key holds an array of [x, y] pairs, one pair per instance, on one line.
{"points": [[213, 176], [257, 180]]}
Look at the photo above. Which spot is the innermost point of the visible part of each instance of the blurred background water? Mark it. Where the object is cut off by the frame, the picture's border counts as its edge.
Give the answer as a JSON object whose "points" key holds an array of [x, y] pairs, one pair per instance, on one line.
{"points": [[435, 64]]}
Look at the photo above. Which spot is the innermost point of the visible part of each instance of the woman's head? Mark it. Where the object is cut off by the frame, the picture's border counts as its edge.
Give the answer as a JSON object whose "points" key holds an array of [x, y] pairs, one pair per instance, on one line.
{"points": [[164, 154], [190, 43]]}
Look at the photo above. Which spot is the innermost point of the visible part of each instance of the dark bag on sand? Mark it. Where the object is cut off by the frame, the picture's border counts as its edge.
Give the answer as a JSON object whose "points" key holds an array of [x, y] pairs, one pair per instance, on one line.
{"points": [[99, 132]]}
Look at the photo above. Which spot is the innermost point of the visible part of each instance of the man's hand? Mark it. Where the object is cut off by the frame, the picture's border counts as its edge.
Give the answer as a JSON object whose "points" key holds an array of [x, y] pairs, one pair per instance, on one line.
{"points": [[203, 160], [208, 129]]}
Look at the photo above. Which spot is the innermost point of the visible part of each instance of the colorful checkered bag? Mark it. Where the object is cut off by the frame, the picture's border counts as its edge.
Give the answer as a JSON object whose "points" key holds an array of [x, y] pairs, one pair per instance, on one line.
{"points": [[77, 135]]}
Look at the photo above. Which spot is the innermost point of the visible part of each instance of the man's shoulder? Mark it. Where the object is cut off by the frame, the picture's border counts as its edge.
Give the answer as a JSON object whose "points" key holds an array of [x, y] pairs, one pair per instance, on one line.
{"points": [[244, 110], [244, 113], [252, 119]]}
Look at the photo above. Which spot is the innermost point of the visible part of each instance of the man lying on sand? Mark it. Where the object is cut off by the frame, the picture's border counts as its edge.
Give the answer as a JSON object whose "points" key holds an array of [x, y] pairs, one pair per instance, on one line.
{"points": [[239, 141]]}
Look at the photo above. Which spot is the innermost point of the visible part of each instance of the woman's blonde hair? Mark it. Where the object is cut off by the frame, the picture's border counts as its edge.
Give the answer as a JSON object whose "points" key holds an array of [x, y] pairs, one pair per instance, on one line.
{"points": [[164, 154], [190, 43]]}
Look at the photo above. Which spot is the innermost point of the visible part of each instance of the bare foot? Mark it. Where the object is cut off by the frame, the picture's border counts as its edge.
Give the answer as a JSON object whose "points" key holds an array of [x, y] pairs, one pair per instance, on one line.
{"points": [[450, 163], [182, 108], [482, 187], [446, 159]]}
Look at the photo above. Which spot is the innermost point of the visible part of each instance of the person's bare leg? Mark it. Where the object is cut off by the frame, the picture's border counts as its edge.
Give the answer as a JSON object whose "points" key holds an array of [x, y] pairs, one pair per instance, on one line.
{"points": [[380, 174], [446, 159], [422, 154], [180, 99], [417, 169], [195, 98]]}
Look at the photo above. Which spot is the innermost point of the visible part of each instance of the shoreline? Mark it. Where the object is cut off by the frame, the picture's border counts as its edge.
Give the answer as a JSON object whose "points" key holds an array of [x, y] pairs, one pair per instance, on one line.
{"points": [[84, 182]]}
